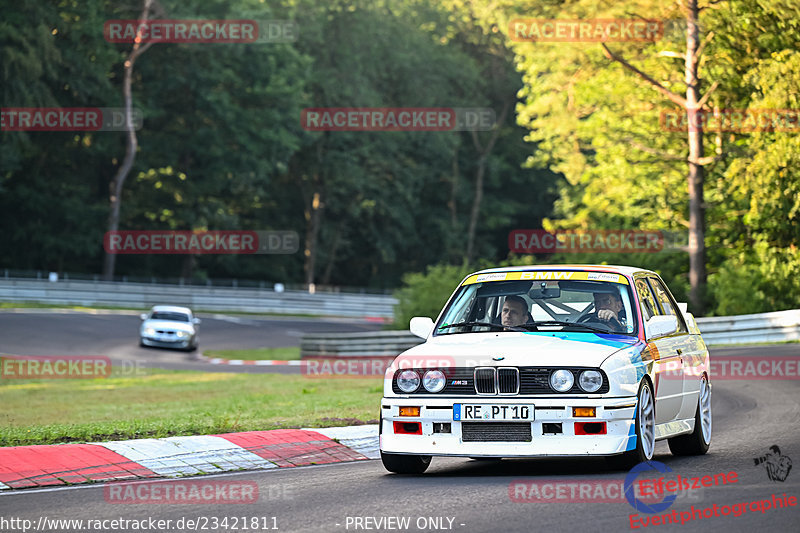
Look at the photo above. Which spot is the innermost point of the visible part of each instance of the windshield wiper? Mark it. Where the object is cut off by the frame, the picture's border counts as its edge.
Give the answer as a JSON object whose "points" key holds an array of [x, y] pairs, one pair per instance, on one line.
{"points": [[484, 324], [572, 324]]}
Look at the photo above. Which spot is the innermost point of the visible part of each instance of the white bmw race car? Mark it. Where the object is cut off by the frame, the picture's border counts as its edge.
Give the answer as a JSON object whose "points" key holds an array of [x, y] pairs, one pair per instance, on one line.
{"points": [[539, 361]]}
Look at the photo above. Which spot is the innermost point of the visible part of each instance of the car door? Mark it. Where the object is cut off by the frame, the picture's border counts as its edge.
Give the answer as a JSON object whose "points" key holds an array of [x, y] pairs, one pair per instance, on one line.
{"points": [[668, 370], [687, 345]]}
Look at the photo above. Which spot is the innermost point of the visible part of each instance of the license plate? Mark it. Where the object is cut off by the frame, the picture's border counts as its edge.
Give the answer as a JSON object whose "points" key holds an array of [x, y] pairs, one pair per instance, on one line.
{"points": [[492, 412]]}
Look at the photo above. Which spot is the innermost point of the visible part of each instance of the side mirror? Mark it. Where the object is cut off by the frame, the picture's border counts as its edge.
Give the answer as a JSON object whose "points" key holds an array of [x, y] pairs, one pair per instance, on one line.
{"points": [[661, 325], [421, 326], [195, 321], [143, 316]]}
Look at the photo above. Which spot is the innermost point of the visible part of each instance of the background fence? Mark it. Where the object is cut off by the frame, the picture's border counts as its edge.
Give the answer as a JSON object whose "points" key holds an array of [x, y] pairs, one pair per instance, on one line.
{"points": [[741, 329], [145, 295]]}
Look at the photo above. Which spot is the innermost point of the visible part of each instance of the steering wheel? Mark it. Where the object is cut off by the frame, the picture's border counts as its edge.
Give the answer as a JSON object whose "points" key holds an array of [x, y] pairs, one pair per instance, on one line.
{"points": [[593, 318]]}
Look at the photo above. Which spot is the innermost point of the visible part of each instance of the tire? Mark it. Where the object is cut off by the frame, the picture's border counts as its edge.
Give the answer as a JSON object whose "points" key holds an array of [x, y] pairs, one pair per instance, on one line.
{"points": [[644, 422], [698, 441], [405, 464]]}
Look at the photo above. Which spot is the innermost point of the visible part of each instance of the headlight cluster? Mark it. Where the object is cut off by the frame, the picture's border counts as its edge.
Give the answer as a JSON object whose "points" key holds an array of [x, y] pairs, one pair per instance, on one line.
{"points": [[588, 380], [149, 331], [409, 381], [181, 334]]}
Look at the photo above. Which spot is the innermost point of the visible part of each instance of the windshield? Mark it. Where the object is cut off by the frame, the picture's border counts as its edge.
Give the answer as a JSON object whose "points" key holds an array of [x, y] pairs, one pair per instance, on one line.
{"points": [[542, 305], [166, 315]]}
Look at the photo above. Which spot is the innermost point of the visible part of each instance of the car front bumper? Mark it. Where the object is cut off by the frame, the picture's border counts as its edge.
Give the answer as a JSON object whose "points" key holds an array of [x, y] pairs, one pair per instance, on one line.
{"points": [[548, 414], [167, 343]]}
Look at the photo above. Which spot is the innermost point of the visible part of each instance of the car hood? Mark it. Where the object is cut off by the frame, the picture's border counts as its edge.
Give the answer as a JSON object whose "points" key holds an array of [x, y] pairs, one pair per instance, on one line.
{"points": [[552, 348], [168, 324]]}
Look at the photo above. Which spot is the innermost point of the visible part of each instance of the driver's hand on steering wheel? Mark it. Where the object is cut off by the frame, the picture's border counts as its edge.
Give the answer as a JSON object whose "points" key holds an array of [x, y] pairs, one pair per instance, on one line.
{"points": [[607, 314]]}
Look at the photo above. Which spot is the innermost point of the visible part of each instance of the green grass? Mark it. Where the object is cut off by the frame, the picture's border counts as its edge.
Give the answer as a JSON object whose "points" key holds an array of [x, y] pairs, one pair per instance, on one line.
{"points": [[282, 354], [163, 403]]}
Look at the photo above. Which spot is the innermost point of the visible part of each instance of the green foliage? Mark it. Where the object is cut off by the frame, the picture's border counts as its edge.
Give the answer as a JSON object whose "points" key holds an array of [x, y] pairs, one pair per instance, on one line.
{"points": [[763, 279], [425, 293], [222, 146]]}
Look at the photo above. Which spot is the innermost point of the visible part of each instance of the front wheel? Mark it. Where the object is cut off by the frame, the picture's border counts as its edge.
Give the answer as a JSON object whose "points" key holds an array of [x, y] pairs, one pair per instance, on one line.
{"points": [[645, 425], [405, 464], [698, 441]]}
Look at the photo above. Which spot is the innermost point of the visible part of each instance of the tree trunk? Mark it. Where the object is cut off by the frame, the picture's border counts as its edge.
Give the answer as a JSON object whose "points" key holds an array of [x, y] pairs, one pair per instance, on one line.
{"points": [[691, 104], [697, 248], [452, 205], [337, 238], [115, 187], [313, 216], [480, 173], [476, 207]]}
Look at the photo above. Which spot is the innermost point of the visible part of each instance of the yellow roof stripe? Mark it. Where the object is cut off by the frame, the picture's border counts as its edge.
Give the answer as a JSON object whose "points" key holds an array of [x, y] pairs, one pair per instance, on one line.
{"points": [[544, 275]]}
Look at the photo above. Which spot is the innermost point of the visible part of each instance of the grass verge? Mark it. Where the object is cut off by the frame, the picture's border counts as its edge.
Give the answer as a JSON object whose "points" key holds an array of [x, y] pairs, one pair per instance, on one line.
{"points": [[260, 354], [164, 403]]}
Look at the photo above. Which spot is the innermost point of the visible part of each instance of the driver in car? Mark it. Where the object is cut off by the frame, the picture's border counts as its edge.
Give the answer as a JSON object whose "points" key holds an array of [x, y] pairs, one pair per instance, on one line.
{"points": [[608, 309], [515, 311]]}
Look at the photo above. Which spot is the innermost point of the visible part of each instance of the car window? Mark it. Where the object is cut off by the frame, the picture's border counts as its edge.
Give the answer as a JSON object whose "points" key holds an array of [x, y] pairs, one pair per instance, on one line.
{"points": [[664, 300], [177, 317], [648, 302], [549, 300]]}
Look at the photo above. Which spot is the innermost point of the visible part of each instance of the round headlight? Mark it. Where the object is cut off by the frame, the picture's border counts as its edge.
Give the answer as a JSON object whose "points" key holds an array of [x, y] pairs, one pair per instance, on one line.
{"points": [[590, 380], [181, 334], [433, 381], [408, 381], [562, 380], [149, 331]]}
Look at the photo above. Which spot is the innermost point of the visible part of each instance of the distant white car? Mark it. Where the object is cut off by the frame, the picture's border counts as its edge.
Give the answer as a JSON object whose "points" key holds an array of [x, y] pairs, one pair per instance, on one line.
{"points": [[167, 326]]}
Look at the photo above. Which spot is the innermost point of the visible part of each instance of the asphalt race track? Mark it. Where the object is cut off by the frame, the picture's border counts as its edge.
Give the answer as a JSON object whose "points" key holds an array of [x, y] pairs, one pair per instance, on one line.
{"points": [[455, 494], [115, 335]]}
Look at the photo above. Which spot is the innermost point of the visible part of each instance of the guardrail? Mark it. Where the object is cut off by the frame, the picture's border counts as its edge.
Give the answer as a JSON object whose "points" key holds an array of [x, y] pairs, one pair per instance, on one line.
{"points": [[145, 295], [369, 344], [741, 329], [745, 329]]}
